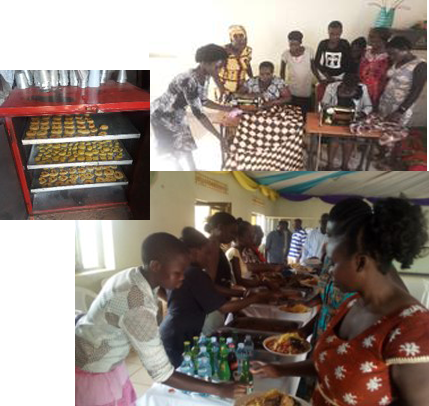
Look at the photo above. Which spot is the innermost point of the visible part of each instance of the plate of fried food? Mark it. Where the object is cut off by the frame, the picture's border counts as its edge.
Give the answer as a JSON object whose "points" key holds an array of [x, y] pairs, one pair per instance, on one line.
{"points": [[270, 398], [289, 344], [297, 308], [299, 268], [310, 282]]}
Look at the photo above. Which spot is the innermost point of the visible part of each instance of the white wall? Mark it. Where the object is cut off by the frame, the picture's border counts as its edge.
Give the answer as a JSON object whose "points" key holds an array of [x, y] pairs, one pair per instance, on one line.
{"points": [[172, 207], [183, 26]]}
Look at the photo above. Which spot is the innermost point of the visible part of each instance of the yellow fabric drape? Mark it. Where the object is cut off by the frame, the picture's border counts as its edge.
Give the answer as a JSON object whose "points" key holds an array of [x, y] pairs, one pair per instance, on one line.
{"points": [[249, 184]]}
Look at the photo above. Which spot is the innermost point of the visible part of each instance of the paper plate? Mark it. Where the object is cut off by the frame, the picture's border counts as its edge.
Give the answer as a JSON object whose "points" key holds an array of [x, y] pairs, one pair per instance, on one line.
{"points": [[243, 400]]}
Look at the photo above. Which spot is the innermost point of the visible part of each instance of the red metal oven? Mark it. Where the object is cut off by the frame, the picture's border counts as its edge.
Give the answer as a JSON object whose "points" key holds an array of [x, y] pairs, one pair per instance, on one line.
{"points": [[123, 108]]}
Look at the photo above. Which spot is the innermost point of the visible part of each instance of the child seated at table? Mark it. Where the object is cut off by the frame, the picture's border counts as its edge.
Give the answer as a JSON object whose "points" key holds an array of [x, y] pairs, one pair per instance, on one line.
{"points": [[123, 316], [348, 93], [189, 305]]}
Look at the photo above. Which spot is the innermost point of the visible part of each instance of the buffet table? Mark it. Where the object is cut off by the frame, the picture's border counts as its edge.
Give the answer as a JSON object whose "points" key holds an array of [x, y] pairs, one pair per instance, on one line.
{"points": [[163, 395]]}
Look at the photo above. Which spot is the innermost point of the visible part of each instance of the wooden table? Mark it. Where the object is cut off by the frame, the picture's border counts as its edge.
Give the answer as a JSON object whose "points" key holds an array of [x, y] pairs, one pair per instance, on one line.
{"points": [[313, 127]]}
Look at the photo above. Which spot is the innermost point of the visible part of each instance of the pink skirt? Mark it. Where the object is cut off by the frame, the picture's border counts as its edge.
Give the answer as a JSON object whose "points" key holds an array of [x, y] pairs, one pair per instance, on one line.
{"points": [[112, 388]]}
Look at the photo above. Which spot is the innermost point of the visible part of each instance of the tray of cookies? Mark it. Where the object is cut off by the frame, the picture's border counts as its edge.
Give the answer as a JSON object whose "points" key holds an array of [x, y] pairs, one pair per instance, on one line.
{"points": [[88, 153], [76, 128], [47, 180]]}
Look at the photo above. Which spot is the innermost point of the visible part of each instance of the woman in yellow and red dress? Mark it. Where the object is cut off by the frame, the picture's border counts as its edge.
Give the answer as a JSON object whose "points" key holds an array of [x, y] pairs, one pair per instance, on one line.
{"points": [[237, 68]]}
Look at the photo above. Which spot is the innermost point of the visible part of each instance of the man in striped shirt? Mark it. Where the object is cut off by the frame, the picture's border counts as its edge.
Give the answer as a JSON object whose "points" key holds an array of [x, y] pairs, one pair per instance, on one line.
{"points": [[298, 240]]}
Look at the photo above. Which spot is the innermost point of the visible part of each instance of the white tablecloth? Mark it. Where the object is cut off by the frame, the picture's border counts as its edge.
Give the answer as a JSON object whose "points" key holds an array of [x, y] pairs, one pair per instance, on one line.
{"points": [[159, 395]]}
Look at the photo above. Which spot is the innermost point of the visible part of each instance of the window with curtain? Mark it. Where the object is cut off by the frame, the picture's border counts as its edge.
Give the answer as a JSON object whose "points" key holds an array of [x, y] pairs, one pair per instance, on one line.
{"points": [[94, 246]]}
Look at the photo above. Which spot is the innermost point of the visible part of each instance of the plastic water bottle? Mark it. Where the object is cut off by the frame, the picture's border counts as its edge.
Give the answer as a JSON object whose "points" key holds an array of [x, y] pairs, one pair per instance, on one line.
{"points": [[187, 367], [214, 358], [249, 346], [229, 341], [204, 369], [202, 341], [241, 355]]}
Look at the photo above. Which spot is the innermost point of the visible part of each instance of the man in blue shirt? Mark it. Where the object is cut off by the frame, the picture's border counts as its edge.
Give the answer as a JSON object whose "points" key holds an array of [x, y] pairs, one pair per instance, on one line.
{"points": [[278, 242], [298, 239]]}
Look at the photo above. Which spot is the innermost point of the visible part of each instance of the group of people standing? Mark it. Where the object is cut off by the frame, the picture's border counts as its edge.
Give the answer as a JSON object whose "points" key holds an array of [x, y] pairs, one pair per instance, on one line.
{"points": [[379, 75], [370, 337], [286, 247]]}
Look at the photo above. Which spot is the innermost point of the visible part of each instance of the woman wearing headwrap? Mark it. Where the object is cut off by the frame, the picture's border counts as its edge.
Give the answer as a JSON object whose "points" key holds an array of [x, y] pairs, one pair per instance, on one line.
{"points": [[237, 67], [168, 112]]}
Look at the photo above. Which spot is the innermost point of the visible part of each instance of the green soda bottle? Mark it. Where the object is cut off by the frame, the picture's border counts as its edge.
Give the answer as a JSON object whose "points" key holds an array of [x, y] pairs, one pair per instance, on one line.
{"points": [[187, 349], [246, 377], [195, 350], [224, 371]]}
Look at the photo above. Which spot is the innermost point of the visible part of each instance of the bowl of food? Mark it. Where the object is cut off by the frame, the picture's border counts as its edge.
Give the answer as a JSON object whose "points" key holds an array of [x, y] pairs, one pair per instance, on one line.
{"points": [[289, 344], [270, 398]]}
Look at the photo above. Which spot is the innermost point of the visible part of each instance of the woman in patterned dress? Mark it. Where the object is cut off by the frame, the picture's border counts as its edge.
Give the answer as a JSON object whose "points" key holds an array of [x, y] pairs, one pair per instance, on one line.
{"points": [[375, 63], [168, 112], [407, 77], [375, 350], [238, 64]]}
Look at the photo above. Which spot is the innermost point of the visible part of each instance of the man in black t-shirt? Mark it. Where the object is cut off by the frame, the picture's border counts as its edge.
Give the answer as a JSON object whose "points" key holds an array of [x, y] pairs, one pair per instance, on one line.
{"points": [[333, 55]]}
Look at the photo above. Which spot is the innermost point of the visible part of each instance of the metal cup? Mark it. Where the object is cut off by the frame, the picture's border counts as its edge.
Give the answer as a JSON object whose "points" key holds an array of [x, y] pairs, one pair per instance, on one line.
{"points": [[54, 78], [105, 74], [21, 80], [64, 78], [73, 78], [94, 78], [29, 77], [36, 78], [83, 78], [44, 78], [122, 76]]}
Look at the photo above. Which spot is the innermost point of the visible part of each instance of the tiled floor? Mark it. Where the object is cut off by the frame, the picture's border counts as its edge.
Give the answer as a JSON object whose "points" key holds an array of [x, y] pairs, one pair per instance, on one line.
{"points": [[138, 375]]}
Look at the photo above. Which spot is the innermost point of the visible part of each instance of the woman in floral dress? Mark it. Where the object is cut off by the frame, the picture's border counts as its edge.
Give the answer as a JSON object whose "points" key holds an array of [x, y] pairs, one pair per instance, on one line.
{"points": [[375, 350]]}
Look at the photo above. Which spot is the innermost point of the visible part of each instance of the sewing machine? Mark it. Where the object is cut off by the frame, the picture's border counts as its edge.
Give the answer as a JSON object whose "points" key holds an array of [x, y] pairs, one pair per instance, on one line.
{"points": [[341, 116]]}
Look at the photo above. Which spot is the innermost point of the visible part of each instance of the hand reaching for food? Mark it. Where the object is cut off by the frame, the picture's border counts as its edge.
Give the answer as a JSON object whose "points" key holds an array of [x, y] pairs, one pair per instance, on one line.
{"points": [[264, 370]]}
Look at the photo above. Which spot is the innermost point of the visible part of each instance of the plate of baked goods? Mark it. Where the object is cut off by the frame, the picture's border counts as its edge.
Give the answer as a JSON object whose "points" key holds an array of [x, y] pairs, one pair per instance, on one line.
{"points": [[271, 398], [288, 344]]}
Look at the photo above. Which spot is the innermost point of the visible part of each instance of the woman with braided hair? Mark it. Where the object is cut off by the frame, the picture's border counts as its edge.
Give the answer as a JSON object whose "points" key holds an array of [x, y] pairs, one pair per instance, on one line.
{"points": [[376, 348]]}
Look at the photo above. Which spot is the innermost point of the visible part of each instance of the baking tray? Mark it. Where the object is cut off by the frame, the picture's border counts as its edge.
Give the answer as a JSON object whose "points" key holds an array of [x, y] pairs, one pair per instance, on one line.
{"points": [[74, 198], [120, 127], [36, 187], [32, 164]]}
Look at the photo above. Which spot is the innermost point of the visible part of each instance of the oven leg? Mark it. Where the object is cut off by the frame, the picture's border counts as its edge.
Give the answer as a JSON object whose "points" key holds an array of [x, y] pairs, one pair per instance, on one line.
{"points": [[18, 164]]}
